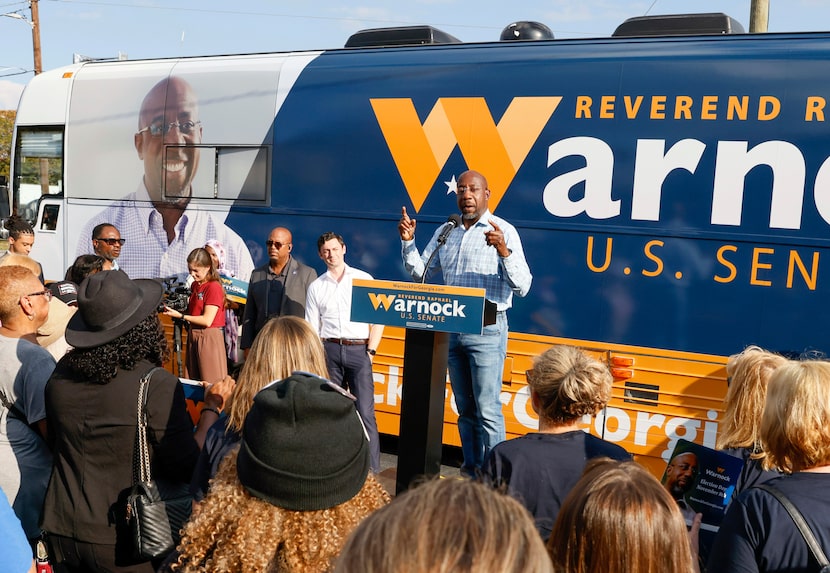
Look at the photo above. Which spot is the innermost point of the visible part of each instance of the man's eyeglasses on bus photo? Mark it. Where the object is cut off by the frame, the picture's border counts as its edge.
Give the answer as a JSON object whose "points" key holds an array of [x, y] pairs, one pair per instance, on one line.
{"points": [[158, 128], [112, 242]]}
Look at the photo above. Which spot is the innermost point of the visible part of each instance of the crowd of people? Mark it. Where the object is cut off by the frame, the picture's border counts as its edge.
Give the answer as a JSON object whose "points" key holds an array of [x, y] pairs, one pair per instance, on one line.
{"points": [[282, 463]]}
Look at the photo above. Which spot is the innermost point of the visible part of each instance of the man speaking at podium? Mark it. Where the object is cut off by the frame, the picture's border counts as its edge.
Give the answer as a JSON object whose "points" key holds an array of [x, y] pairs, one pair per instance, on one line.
{"points": [[484, 251]]}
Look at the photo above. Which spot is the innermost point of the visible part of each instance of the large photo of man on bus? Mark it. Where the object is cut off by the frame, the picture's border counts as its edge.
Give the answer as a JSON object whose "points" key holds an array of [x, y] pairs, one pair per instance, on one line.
{"points": [[159, 222]]}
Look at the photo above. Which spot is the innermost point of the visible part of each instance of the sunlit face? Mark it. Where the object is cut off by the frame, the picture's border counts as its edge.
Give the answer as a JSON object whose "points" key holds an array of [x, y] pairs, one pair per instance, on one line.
{"points": [[279, 247], [108, 243], [22, 245], [473, 196], [165, 160], [198, 273], [332, 253]]}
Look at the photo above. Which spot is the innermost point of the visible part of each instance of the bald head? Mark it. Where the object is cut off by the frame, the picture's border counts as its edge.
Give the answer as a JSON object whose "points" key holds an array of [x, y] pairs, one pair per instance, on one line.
{"points": [[169, 131], [169, 91], [279, 248], [473, 195]]}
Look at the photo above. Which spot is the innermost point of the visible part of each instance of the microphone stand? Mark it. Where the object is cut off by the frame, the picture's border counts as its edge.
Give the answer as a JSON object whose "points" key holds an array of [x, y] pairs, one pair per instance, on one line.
{"points": [[178, 323], [442, 239]]}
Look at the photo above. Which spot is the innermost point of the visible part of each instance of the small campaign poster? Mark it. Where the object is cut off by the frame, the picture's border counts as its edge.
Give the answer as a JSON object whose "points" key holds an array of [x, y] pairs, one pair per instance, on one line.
{"points": [[194, 395], [701, 480], [235, 289]]}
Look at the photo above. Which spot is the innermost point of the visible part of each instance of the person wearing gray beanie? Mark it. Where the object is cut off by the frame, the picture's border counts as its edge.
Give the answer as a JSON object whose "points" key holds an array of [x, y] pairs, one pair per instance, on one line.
{"points": [[303, 445], [295, 489]]}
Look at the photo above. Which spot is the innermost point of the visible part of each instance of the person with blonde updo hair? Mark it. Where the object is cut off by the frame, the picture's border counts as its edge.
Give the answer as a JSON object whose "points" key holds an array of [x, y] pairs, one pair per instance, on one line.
{"points": [[748, 374], [446, 526], [619, 519], [540, 468], [757, 534]]}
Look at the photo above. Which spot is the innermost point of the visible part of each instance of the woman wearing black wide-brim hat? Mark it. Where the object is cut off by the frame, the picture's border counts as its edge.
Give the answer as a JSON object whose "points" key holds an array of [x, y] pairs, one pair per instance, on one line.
{"points": [[91, 409]]}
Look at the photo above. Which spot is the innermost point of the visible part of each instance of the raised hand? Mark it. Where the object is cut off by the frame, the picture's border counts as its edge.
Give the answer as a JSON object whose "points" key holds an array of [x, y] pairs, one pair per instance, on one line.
{"points": [[495, 238], [406, 226]]}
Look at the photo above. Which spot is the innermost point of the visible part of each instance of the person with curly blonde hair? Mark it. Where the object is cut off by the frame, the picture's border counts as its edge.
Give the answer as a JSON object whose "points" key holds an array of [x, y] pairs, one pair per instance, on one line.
{"points": [[757, 534], [748, 374], [292, 493], [619, 519], [284, 345], [540, 468], [487, 532]]}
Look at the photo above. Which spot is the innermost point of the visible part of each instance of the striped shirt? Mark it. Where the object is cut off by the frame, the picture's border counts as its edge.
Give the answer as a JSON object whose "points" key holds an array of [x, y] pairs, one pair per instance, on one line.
{"points": [[146, 252], [466, 260]]}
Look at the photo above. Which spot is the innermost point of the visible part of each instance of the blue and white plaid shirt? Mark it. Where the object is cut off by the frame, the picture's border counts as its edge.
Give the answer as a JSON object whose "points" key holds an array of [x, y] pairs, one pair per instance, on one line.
{"points": [[466, 260], [146, 252]]}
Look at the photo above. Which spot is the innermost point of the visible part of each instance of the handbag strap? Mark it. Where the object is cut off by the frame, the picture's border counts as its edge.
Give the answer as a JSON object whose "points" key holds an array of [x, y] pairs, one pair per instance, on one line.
{"points": [[141, 453], [800, 523]]}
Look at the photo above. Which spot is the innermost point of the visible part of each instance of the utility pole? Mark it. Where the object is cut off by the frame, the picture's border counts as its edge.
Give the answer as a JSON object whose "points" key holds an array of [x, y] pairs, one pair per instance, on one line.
{"points": [[36, 36], [758, 16]]}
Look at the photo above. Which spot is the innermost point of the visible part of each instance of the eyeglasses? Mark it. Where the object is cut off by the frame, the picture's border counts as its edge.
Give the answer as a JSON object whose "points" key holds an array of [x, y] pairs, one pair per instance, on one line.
{"points": [[47, 293], [276, 244], [113, 242], [158, 128]]}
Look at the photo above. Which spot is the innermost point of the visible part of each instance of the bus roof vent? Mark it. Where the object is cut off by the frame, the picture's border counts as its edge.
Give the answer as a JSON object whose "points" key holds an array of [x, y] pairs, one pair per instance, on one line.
{"points": [[526, 31], [399, 36], [679, 25]]}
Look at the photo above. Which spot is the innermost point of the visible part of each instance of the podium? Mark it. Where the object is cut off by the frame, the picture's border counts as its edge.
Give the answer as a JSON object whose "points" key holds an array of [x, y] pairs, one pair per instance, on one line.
{"points": [[429, 313]]}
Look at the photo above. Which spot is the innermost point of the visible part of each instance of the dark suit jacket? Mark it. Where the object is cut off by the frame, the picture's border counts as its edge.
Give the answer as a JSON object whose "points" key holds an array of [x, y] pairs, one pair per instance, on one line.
{"points": [[298, 277]]}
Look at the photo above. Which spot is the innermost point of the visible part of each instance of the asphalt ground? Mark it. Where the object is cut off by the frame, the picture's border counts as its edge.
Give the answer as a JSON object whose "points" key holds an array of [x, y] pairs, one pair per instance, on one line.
{"points": [[450, 462]]}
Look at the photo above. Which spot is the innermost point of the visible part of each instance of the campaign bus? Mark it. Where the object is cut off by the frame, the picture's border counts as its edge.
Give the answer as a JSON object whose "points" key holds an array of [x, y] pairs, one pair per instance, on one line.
{"points": [[672, 194]]}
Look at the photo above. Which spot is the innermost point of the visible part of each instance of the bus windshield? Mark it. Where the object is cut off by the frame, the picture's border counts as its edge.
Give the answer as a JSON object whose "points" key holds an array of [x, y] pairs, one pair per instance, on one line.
{"points": [[38, 168]]}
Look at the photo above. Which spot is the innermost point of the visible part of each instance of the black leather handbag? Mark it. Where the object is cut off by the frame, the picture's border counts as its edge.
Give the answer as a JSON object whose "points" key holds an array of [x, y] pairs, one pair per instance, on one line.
{"points": [[156, 510]]}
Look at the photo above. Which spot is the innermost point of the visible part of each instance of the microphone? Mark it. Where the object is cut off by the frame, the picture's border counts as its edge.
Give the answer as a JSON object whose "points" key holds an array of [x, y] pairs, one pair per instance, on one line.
{"points": [[453, 221]]}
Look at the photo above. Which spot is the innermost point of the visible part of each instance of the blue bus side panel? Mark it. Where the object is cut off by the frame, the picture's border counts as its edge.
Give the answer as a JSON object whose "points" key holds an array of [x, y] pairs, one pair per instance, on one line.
{"points": [[669, 279]]}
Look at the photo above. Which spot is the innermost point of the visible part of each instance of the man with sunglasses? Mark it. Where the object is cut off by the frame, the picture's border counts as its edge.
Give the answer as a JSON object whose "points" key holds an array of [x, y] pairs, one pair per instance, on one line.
{"points": [[159, 223], [277, 288], [106, 243]]}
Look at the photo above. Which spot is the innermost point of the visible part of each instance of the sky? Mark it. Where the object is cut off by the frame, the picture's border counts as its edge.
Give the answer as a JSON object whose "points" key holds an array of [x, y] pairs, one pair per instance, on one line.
{"points": [[143, 29]]}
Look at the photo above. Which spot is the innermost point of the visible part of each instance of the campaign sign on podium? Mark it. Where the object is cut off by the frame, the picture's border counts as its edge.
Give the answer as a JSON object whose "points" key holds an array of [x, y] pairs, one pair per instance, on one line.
{"points": [[414, 305], [429, 313]]}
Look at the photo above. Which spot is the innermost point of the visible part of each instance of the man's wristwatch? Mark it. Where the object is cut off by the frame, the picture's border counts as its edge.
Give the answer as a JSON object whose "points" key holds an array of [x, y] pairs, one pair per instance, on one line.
{"points": [[371, 351]]}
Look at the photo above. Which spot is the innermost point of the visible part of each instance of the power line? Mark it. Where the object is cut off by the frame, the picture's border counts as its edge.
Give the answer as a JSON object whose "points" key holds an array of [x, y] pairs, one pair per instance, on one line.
{"points": [[381, 21], [20, 73], [269, 14]]}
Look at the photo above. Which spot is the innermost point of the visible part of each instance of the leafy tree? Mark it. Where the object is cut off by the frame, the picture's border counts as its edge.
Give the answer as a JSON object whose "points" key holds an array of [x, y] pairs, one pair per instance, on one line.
{"points": [[6, 129]]}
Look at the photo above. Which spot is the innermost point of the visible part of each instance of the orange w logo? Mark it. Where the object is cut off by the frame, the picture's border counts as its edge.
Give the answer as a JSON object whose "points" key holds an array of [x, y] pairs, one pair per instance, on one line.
{"points": [[384, 300], [497, 151]]}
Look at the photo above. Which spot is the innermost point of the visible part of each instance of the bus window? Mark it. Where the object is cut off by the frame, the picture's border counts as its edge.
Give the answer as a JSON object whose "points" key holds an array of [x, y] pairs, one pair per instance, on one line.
{"points": [[38, 168], [242, 173], [239, 173], [49, 220]]}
